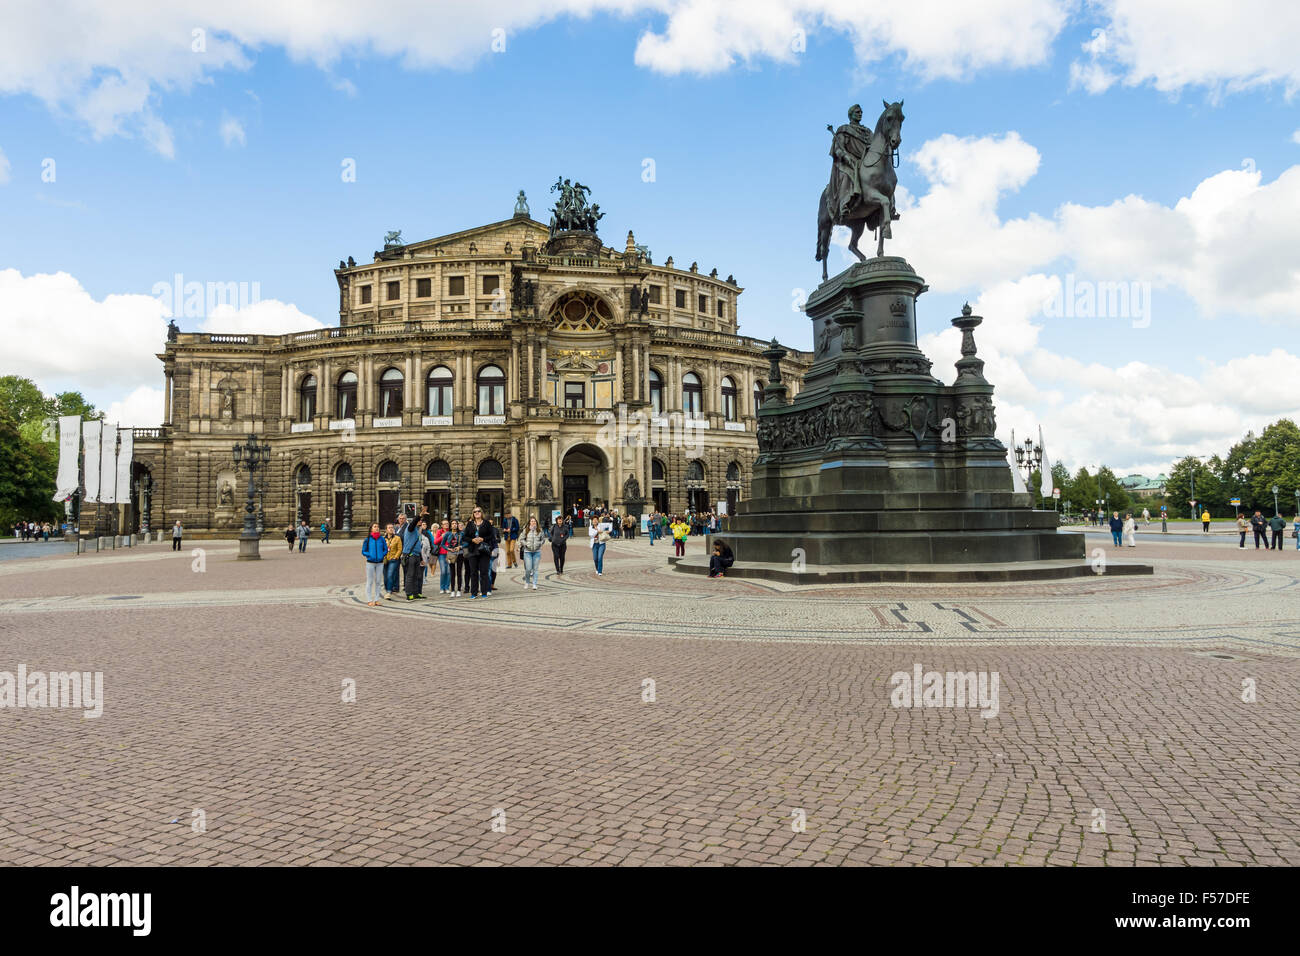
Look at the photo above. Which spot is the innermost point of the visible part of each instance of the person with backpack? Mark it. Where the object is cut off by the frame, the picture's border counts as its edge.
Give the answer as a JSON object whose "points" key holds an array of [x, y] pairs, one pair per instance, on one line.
{"points": [[530, 550], [325, 531], [304, 533], [680, 530], [560, 532], [374, 549]]}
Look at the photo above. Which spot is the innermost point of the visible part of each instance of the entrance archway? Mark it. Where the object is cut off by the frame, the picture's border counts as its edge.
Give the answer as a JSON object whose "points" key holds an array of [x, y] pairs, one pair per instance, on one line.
{"points": [[584, 477]]}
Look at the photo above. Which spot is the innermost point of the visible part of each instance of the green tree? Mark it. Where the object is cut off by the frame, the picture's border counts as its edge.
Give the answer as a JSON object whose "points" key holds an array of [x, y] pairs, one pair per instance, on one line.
{"points": [[1110, 487], [1274, 459], [26, 476], [1209, 489], [23, 400]]}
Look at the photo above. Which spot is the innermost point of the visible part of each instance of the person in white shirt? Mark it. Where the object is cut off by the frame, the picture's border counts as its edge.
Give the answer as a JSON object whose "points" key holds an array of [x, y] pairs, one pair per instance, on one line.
{"points": [[598, 533]]}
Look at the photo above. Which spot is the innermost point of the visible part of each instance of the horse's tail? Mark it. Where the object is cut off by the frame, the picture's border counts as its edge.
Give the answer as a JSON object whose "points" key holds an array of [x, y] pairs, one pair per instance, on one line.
{"points": [[823, 229]]}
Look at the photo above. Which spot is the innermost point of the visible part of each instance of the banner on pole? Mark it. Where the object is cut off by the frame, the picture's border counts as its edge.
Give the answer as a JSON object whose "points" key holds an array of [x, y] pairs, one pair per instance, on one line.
{"points": [[90, 432], [65, 485], [124, 454], [108, 465]]}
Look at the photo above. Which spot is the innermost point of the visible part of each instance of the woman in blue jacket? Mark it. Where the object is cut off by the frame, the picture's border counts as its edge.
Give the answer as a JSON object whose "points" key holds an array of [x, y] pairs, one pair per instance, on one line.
{"points": [[374, 549]]}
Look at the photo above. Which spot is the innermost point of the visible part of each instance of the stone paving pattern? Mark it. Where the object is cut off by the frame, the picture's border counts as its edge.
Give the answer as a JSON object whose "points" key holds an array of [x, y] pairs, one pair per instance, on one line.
{"points": [[223, 692]]}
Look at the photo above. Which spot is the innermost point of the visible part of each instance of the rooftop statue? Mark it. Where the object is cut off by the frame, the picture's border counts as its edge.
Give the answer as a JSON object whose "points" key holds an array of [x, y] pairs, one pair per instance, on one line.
{"points": [[392, 239], [860, 194], [571, 211]]}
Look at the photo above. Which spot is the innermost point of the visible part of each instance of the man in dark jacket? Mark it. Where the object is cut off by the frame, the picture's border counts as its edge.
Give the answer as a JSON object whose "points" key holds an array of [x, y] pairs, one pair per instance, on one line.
{"points": [[1259, 524], [481, 538], [1117, 529], [509, 535], [1277, 524]]}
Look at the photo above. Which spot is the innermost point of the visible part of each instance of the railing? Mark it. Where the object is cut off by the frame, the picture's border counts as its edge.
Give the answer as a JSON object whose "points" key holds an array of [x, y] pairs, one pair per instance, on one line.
{"points": [[146, 433]]}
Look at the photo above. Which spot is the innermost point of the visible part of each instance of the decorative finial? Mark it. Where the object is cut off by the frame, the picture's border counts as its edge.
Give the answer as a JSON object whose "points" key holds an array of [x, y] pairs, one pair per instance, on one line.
{"points": [[521, 205], [966, 309]]}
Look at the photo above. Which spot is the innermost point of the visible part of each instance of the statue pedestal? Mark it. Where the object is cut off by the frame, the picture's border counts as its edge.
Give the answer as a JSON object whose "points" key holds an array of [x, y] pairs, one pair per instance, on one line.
{"points": [[876, 461]]}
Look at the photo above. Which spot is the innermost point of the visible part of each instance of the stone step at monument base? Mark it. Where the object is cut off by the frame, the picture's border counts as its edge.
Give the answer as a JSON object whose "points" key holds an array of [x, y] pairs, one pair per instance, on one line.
{"points": [[947, 546], [895, 521], [912, 574]]}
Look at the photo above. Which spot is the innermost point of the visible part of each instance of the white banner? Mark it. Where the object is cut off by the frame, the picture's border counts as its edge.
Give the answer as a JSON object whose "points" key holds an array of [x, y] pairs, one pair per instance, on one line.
{"points": [[124, 465], [90, 434], [65, 486], [108, 465]]}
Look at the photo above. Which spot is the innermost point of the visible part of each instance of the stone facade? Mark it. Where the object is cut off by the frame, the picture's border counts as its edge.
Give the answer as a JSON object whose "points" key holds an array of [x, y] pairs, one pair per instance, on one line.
{"points": [[468, 368]]}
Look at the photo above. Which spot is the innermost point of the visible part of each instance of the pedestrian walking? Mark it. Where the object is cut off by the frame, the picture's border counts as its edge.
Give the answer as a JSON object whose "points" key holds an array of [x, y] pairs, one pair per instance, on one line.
{"points": [[1205, 521], [1116, 529], [1164, 522], [598, 534], [325, 531], [1146, 516], [374, 549], [560, 532], [1130, 531], [1242, 527], [303, 533], [177, 532], [510, 534], [530, 548], [290, 536], [1295, 531]]}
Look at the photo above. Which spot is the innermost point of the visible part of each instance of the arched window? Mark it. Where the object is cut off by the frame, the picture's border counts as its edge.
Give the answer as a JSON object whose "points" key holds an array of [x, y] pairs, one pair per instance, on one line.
{"points": [[758, 395], [491, 391], [307, 399], [728, 399], [389, 472], [346, 403], [303, 475], [656, 470], [343, 474], [490, 470], [390, 394], [656, 392], [438, 391], [438, 470], [733, 471], [695, 470], [691, 392]]}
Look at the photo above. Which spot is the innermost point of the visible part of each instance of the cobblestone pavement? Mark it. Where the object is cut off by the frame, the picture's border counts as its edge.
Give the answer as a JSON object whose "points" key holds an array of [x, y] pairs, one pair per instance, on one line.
{"points": [[1120, 703]]}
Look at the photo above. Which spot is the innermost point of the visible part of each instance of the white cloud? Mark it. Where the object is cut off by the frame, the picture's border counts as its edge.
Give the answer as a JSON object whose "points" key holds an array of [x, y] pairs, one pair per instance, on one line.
{"points": [[1232, 224], [4, 168], [232, 131], [57, 334], [142, 408], [1173, 44], [1295, 137], [110, 65]]}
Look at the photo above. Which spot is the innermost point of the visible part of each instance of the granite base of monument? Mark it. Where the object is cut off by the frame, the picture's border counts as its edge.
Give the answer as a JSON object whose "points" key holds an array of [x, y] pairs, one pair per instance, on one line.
{"points": [[874, 462]]}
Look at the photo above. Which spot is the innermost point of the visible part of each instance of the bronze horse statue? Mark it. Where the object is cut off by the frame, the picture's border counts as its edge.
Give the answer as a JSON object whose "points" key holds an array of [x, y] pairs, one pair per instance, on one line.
{"points": [[860, 194]]}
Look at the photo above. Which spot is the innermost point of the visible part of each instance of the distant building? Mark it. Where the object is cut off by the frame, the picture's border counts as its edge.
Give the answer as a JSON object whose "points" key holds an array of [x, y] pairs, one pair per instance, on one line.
{"points": [[1140, 486], [481, 367]]}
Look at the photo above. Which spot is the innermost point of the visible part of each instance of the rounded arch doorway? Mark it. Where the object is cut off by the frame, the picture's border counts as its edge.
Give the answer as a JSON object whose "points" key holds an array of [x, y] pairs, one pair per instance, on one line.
{"points": [[585, 478]]}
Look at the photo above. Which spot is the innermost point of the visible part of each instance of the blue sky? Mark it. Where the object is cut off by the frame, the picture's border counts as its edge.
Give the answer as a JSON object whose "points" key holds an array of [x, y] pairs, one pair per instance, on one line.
{"points": [[740, 156]]}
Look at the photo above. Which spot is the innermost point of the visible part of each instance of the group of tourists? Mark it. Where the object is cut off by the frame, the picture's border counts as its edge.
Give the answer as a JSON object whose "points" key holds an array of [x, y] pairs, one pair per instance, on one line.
{"points": [[34, 530], [1261, 527], [1124, 531]]}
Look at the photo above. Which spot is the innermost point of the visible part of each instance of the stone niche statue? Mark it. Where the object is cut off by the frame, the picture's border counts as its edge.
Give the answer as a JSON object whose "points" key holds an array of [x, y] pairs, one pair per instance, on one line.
{"points": [[631, 489], [227, 405], [226, 493], [545, 491]]}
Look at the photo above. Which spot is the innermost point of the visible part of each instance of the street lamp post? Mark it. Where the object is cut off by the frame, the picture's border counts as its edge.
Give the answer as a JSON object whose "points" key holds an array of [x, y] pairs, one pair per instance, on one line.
{"points": [[1276, 510], [251, 455]]}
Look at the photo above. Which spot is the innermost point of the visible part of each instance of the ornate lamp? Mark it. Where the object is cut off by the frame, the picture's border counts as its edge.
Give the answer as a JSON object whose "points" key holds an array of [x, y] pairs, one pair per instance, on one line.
{"points": [[251, 454]]}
